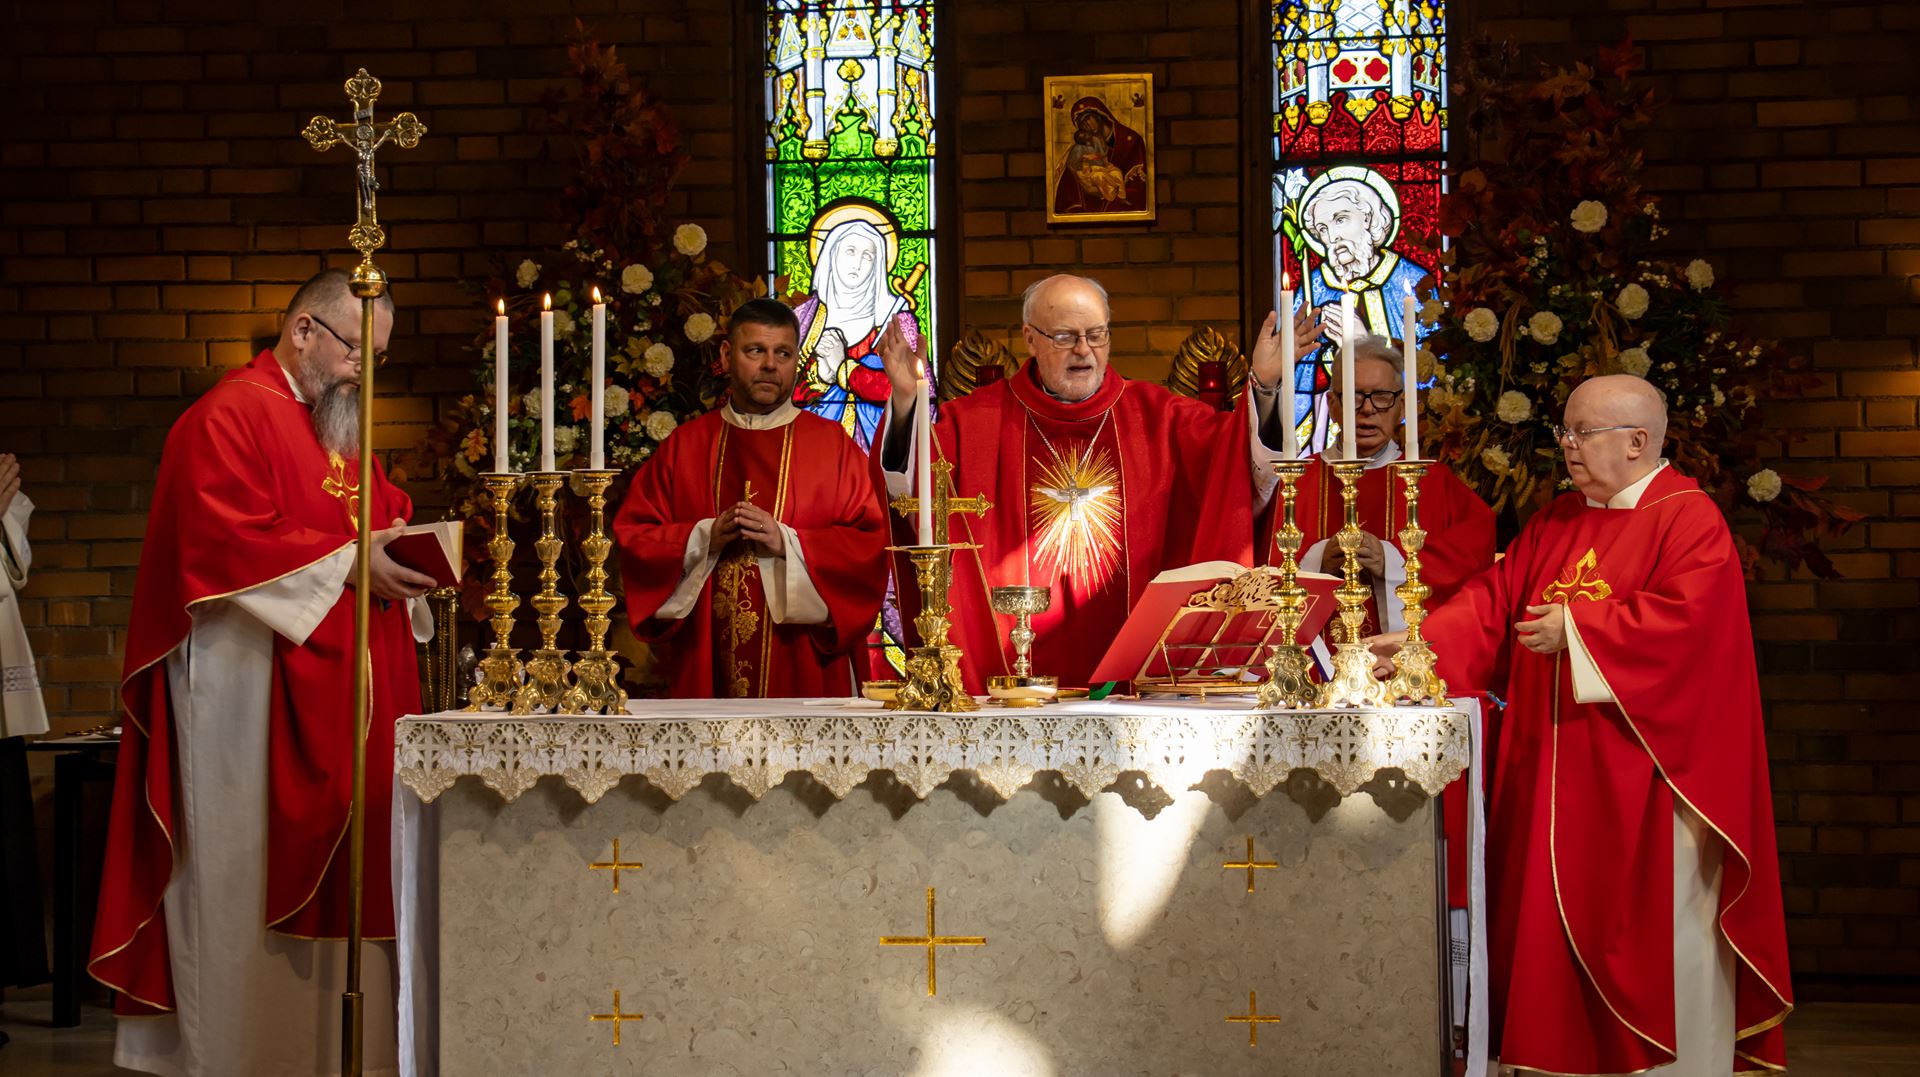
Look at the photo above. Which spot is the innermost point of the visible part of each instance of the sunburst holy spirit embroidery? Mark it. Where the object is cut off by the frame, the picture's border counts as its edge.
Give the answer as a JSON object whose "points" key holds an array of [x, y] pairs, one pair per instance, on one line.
{"points": [[1076, 515]]}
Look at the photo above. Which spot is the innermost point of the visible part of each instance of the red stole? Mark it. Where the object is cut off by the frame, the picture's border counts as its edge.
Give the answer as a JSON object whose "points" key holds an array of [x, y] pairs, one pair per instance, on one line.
{"points": [[1093, 499], [811, 477], [245, 496], [1579, 843]]}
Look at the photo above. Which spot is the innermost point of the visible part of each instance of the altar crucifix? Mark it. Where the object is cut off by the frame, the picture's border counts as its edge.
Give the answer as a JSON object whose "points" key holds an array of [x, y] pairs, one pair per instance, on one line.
{"points": [[945, 504]]}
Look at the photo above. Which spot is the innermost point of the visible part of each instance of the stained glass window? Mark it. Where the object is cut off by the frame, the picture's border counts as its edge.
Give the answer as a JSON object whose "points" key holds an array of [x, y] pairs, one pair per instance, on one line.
{"points": [[1359, 143], [850, 189]]}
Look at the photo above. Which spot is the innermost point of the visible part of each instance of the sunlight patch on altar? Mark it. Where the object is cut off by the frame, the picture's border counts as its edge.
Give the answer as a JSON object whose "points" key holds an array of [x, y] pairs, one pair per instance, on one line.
{"points": [[971, 1040], [1141, 860]]}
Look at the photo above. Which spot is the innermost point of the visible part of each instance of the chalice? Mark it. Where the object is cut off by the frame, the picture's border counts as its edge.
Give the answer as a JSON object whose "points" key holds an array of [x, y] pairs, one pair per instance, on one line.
{"points": [[1022, 688]]}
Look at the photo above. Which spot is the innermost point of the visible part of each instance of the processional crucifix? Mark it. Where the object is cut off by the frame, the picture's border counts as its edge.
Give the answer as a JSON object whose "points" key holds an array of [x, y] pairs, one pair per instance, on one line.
{"points": [[368, 284]]}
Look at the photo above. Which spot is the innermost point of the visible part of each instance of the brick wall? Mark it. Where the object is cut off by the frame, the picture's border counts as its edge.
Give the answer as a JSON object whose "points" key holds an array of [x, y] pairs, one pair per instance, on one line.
{"points": [[158, 208]]}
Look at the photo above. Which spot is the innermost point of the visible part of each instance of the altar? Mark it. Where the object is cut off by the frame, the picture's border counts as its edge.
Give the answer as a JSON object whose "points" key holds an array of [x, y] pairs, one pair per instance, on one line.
{"points": [[750, 887]]}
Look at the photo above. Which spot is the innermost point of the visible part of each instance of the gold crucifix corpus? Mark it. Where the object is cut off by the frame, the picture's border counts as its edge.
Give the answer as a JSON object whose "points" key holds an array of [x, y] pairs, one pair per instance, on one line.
{"points": [[616, 1017], [615, 865], [1253, 1019], [1249, 863], [945, 504], [931, 940], [365, 136]]}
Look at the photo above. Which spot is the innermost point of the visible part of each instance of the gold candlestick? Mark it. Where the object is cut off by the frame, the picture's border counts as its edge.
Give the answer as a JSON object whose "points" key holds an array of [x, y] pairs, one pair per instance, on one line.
{"points": [[1414, 681], [546, 682], [933, 669], [500, 671], [1022, 688], [596, 672], [1352, 683], [1288, 684]]}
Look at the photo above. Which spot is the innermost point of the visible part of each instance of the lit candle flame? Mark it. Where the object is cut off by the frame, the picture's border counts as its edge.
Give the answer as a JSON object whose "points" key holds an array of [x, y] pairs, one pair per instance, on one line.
{"points": [[596, 293], [502, 308], [1286, 282], [546, 301]]}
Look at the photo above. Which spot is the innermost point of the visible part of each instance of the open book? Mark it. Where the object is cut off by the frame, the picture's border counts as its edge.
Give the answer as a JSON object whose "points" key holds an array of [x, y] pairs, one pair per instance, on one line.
{"points": [[1174, 631], [431, 548]]}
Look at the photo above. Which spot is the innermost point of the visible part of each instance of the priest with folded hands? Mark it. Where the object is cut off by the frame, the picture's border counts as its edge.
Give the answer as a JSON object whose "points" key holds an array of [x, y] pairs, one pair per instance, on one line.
{"points": [[1633, 883], [753, 541]]}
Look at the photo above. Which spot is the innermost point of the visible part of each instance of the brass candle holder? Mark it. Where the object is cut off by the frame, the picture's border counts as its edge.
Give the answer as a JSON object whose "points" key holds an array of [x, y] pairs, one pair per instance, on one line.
{"points": [[1022, 688], [1414, 681], [546, 682], [596, 671], [933, 668], [1288, 683], [500, 672], [1352, 683]]}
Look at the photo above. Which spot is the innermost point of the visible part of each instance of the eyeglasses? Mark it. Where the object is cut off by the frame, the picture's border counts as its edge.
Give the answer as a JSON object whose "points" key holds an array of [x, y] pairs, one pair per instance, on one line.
{"points": [[1573, 437], [379, 357], [1097, 337], [1376, 401]]}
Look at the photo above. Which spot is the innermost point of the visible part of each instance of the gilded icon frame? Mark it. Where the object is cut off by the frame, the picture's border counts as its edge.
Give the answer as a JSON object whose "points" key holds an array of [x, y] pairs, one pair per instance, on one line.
{"points": [[1100, 157]]}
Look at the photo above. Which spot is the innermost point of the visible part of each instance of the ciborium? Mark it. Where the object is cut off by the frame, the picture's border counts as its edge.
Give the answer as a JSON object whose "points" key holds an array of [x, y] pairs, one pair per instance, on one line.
{"points": [[1022, 688]]}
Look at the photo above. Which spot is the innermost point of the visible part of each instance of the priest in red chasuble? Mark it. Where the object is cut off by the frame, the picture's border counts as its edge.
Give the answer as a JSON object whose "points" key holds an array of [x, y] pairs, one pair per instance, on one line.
{"points": [[1098, 482], [224, 896], [753, 542], [1633, 885]]}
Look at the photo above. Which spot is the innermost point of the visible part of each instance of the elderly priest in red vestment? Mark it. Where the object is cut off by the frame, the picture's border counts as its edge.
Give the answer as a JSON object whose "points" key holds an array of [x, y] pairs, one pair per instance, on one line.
{"points": [[225, 894], [1633, 886], [753, 542], [1098, 482]]}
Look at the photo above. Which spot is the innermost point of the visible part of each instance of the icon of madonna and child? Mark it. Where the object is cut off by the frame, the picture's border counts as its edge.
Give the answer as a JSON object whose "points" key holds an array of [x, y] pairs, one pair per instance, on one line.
{"points": [[855, 246]]}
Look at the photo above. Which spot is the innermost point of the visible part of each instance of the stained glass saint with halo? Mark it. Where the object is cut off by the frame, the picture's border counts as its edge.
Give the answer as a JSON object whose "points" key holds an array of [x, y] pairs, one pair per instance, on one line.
{"points": [[850, 189], [1359, 144]]}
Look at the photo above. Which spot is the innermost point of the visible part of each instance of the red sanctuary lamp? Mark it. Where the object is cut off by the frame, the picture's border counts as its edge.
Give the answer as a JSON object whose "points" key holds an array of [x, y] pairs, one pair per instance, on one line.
{"points": [[1210, 383]]}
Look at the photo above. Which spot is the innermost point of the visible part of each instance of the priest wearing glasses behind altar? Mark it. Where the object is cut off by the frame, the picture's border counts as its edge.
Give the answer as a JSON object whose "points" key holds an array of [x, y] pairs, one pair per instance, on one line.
{"points": [[753, 543], [1097, 482], [1633, 884]]}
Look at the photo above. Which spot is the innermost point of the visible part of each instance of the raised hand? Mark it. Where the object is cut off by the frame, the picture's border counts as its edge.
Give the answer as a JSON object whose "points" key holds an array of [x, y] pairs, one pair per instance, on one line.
{"points": [[1266, 363], [903, 363]]}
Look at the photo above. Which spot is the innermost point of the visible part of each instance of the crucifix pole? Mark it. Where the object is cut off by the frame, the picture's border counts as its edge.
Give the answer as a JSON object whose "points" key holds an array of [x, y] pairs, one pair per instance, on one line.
{"points": [[369, 285]]}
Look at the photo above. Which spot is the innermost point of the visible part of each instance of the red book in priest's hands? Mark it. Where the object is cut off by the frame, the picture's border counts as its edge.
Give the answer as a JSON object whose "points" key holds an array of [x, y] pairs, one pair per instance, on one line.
{"points": [[1201, 641], [431, 548]]}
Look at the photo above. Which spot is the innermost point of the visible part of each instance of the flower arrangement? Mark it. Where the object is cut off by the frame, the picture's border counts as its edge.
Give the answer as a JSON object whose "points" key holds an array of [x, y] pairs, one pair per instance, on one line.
{"points": [[1551, 278]]}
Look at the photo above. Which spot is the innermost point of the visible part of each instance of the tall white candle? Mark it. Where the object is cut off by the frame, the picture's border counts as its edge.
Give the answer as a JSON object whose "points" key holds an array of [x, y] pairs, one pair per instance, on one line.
{"points": [[1410, 359], [597, 455], [546, 383], [1348, 448], [501, 462], [1290, 440], [923, 455]]}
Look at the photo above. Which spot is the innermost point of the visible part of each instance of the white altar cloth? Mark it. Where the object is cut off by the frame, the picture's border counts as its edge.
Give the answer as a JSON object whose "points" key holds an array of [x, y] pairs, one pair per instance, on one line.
{"points": [[756, 744]]}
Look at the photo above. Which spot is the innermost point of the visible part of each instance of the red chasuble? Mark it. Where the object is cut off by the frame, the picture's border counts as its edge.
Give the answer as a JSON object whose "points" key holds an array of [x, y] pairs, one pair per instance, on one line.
{"points": [[1092, 499], [1580, 806], [812, 477], [246, 496]]}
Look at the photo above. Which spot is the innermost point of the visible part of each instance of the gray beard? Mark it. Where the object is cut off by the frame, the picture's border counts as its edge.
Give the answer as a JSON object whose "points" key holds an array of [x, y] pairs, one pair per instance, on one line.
{"points": [[336, 416]]}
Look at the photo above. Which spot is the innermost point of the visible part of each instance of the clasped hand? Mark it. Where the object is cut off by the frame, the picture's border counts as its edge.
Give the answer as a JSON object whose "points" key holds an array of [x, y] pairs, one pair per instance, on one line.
{"points": [[387, 578], [748, 521]]}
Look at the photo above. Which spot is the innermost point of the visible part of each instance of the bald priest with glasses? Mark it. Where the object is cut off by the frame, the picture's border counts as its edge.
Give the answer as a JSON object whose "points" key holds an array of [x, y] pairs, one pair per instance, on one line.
{"points": [[1098, 482]]}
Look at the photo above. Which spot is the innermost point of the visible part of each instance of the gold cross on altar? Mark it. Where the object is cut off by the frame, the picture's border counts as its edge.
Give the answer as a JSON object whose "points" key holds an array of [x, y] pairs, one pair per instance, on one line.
{"points": [[1249, 863], [365, 136], [945, 504], [615, 865], [931, 940], [616, 1017], [1253, 1019]]}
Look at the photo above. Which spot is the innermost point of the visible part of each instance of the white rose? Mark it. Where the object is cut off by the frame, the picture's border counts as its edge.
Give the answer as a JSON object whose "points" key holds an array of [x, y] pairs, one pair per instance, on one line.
{"points": [[1763, 485], [1719, 398], [1425, 363], [636, 279], [1700, 274], [660, 424], [1589, 216], [1634, 361], [1544, 326], [1496, 460], [530, 403], [615, 401], [1482, 324], [690, 239], [700, 328], [658, 360], [562, 324], [565, 439], [527, 273], [1632, 301], [1514, 407]]}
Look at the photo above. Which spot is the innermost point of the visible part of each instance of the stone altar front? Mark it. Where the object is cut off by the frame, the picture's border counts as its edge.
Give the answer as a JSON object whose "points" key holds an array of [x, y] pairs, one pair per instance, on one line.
{"points": [[1089, 865]]}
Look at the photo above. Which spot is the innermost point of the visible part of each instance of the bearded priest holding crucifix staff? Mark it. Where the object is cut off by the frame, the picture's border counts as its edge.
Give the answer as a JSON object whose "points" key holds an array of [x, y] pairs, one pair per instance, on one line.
{"points": [[1633, 883]]}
